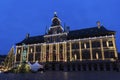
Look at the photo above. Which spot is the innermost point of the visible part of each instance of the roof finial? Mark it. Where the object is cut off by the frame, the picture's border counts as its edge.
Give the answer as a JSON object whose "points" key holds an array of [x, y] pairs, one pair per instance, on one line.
{"points": [[27, 35], [98, 24], [55, 14]]}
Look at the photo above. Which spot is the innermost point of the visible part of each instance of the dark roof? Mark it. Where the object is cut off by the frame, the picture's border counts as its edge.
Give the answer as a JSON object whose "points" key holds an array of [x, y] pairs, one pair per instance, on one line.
{"points": [[89, 32], [32, 40], [75, 34]]}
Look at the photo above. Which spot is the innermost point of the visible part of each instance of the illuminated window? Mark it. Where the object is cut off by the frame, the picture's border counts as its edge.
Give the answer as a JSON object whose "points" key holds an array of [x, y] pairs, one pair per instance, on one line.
{"points": [[97, 56], [85, 45], [107, 44], [31, 50], [75, 56], [19, 51]]}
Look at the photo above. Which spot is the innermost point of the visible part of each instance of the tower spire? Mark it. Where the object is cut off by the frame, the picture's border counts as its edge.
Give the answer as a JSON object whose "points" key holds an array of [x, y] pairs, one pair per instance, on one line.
{"points": [[55, 14], [98, 24], [55, 20]]}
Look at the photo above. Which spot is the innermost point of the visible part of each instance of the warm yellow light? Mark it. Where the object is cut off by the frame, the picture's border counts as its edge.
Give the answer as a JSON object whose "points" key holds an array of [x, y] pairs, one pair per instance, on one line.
{"points": [[65, 60]]}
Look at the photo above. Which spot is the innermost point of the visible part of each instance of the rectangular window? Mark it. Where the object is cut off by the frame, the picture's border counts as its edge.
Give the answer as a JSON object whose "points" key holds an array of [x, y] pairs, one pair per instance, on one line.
{"points": [[109, 54], [85, 45], [38, 48], [104, 44], [95, 44], [110, 43], [75, 46]]}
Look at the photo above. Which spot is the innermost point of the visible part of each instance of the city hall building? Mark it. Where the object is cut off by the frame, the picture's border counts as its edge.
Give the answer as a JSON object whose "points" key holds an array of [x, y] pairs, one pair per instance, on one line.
{"points": [[60, 48]]}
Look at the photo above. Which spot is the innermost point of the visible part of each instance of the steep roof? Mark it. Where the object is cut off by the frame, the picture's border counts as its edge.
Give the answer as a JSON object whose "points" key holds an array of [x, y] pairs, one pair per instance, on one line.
{"points": [[75, 34], [89, 32], [32, 40]]}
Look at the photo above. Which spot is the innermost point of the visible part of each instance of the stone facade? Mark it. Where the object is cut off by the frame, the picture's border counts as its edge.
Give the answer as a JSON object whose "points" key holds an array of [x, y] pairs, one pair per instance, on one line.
{"points": [[81, 49]]}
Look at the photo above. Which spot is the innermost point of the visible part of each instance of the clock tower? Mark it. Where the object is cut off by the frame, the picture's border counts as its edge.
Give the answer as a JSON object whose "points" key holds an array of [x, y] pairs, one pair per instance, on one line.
{"points": [[56, 33]]}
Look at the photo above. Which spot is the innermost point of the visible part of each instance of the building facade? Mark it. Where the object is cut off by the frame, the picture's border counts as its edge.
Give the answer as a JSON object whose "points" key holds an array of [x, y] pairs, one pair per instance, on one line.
{"points": [[61, 45]]}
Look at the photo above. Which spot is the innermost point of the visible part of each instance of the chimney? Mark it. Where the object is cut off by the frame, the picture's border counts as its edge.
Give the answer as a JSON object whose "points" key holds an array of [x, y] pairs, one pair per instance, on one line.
{"points": [[98, 24], [27, 35]]}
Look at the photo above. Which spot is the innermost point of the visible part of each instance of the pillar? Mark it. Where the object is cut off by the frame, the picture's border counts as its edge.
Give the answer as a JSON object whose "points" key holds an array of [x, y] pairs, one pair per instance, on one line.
{"points": [[102, 49], [65, 53], [58, 52], [115, 51], [44, 52], [34, 53], [56, 46], [15, 54], [80, 50], [70, 51], [41, 54], [91, 56], [49, 52]]}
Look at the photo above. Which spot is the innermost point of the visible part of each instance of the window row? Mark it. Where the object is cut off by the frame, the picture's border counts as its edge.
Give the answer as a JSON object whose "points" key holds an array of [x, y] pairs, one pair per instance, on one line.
{"points": [[84, 45]]}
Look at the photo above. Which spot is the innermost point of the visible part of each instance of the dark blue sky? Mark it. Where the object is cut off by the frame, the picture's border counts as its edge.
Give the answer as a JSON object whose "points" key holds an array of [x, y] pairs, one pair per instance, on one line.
{"points": [[18, 17]]}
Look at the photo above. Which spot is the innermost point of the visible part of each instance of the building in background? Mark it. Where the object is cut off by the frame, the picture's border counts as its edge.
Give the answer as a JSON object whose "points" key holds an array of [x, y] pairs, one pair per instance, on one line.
{"points": [[85, 49]]}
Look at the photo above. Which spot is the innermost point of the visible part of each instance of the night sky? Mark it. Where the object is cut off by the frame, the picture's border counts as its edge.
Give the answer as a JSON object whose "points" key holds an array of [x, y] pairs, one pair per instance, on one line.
{"points": [[18, 17]]}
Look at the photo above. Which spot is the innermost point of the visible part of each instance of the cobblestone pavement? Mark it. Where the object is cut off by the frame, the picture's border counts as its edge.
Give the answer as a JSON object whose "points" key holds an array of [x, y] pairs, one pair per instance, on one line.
{"points": [[58, 75]]}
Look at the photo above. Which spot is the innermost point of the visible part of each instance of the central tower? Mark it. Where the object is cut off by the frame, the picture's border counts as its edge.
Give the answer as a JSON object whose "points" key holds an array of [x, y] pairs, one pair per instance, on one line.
{"points": [[56, 33]]}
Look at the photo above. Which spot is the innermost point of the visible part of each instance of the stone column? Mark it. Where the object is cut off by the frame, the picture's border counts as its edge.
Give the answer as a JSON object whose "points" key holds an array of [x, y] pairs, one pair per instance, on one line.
{"points": [[15, 54], [44, 52], [41, 54], [49, 52], [102, 49], [114, 45], [65, 52], [70, 51], [91, 56], [43, 57], [58, 53], [52, 52], [80, 50], [34, 53]]}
